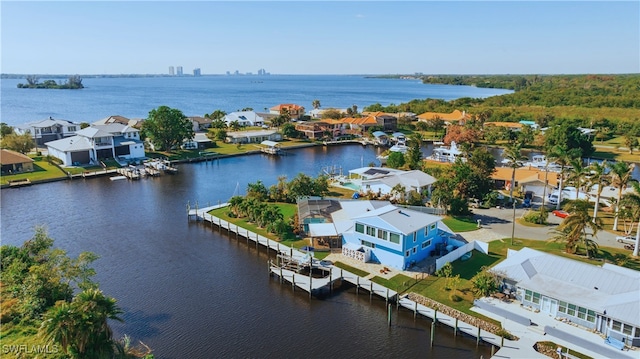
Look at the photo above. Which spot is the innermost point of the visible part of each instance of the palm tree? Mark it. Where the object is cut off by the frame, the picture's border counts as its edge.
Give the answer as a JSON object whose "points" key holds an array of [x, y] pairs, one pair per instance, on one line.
{"points": [[234, 125], [513, 154], [577, 174], [598, 177], [94, 334], [562, 156], [316, 104], [58, 325], [620, 175], [573, 228], [631, 202]]}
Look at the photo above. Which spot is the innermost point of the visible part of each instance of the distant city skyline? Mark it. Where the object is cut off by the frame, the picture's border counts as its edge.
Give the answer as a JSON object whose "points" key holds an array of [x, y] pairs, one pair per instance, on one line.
{"points": [[308, 37]]}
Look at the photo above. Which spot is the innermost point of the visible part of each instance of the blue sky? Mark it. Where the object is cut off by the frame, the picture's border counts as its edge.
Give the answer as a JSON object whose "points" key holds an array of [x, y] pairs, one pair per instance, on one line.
{"points": [[307, 37]]}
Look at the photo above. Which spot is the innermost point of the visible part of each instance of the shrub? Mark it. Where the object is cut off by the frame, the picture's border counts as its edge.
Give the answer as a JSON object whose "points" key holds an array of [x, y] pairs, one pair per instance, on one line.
{"points": [[455, 298], [537, 217]]}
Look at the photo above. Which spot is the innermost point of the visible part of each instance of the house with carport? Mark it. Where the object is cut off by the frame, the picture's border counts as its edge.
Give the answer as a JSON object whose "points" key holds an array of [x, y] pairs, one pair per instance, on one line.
{"points": [[15, 162], [98, 142], [605, 298]]}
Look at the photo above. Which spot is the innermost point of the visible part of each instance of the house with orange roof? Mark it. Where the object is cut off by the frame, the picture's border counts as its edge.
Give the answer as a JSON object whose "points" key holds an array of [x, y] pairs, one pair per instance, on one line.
{"points": [[295, 111], [513, 126], [456, 116], [526, 179], [358, 125], [388, 122]]}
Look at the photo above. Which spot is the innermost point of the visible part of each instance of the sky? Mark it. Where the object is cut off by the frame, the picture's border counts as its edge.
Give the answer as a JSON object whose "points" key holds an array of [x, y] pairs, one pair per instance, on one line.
{"points": [[329, 37]]}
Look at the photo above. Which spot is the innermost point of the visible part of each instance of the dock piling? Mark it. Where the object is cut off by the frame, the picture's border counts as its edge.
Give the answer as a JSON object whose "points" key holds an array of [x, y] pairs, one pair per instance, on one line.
{"points": [[388, 315], [433, 331]]}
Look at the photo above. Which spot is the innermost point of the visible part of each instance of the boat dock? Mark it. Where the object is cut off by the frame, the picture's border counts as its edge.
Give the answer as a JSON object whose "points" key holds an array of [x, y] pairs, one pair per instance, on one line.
{"points": [[316, 277], [130, 172]]}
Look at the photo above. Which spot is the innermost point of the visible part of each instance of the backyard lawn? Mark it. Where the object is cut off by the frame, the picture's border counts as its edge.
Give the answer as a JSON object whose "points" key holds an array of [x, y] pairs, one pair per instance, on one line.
{"points": [[460, 224], [42, 170]]}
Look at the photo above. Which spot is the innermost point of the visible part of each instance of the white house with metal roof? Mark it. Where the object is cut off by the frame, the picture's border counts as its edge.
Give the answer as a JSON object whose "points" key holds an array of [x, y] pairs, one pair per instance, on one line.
{"points": [[48, 130], [382, 180], [244, 118], [97, 142], [602, 298]]}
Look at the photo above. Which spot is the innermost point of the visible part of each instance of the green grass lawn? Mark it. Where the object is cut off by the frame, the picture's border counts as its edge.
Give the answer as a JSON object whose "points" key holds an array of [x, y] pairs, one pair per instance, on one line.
{"points": [[42, 170], [287, 209], [460, 224], [617, 256], [399, 282], [356, 271]]}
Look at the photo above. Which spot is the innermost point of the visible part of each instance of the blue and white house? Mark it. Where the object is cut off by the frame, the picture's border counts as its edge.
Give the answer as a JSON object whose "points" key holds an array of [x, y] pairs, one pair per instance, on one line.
{"points": [[394, 236]]}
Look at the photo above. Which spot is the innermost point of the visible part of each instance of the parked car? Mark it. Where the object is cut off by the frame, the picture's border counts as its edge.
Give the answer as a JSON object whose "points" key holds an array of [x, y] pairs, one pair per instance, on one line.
{"points": [[560, 213], [626, 239], [474, 203]]}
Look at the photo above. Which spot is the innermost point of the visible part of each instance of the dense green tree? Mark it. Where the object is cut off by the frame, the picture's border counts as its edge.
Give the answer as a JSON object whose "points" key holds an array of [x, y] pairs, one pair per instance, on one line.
{"points": [[315, 104], [218, 123], [167, 128], [570, 137], [215, 115], [395, 159], [413, 157], [258, 191], [5, 129], [220, 134], [631, 142], [485, 282], [289, 130], [19, 143]]}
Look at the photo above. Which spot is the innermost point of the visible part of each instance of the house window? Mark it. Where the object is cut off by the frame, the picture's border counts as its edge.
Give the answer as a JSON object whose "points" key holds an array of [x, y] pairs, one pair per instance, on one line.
{"points": [[415, 237], [432, 227], [572, 310], [562, 307], [359, 228], [426, 244], [536, 298], [407, 253], [582, 313], [382, 234], [371, 231], [368, 244], [394, 238], [617, 326], [527, 295], [415, 250], [71, 128], [591, 316], [627, 329]]}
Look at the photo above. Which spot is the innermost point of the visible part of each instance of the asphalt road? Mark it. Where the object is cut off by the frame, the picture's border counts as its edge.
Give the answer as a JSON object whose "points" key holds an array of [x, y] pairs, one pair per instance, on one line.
{"points": [[497, 223]]}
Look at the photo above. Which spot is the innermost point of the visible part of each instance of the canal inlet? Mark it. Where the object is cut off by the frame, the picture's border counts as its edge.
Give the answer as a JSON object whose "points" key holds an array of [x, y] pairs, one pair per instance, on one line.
{"points": [[319, 287]]}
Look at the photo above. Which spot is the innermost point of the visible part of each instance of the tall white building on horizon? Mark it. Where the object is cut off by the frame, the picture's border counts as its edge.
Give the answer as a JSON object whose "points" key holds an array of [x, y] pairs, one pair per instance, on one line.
{"points": [[171, 71], [179, 70]]}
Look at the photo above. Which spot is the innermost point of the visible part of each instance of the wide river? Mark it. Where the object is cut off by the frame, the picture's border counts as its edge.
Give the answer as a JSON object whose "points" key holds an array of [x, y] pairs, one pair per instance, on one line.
{"points": [[191, 292]]}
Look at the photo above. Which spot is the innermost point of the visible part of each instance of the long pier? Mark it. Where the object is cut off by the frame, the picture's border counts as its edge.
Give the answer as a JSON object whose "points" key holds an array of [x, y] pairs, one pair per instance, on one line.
{"points": [[296, 277]]}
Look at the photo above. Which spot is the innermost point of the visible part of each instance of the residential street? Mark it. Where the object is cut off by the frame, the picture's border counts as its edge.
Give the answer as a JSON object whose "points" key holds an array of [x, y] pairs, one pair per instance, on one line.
{"points": [[497, 224]]}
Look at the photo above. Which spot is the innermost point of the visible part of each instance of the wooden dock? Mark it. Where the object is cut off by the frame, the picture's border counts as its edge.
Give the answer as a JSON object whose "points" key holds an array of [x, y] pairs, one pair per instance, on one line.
{"points": [[292, 265]]}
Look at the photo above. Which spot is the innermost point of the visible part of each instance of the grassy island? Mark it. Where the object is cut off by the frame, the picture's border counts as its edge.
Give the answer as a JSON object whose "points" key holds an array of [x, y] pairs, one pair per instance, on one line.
{"points": [[72, 83]]}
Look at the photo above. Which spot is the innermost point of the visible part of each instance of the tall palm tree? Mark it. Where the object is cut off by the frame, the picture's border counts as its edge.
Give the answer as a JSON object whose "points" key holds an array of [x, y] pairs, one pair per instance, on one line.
{"points": [[598, 176], [562, 156], [631, 201], [573, 229], [316, 104], [513, 154], [577, 174], [620, 176]]}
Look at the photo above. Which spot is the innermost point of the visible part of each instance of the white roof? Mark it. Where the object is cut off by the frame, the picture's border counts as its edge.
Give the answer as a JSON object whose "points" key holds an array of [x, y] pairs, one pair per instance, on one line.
{"points": [[599, 288], [396, 219], [243, 117], [240, 134], [71, 144], [322, 230], [270, 143], [45, 123], [410, 179]]}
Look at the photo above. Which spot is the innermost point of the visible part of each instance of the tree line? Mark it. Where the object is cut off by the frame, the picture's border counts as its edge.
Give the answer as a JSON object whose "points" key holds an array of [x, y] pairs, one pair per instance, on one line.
{"points": [[52, 297], [33, 82]]}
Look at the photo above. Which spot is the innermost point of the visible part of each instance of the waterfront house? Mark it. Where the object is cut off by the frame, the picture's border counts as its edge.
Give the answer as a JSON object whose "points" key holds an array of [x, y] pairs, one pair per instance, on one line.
{"points": [[387, 121], [199, 123], [131, 122], [526, 179], [603, 298], [253, 136], [374, 231], [315, 130], [358, 125], [382, 180], [98, 142], [511, 126], [48, 130], [244, 118], [294, 111], [455, 117], [13, 162]]}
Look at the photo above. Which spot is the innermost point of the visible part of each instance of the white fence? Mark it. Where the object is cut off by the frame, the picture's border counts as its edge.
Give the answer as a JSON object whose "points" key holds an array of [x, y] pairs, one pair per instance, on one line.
{"points": [[460, 251]]}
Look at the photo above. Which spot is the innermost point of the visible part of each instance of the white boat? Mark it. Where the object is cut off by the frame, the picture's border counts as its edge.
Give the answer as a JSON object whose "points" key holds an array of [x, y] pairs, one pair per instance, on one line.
{"points": [[117, 178], [541, 162], [446, 153]]}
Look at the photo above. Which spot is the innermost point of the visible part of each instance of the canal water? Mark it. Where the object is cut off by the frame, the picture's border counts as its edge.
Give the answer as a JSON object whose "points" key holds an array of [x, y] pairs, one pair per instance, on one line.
{"points": [[191, 292]]}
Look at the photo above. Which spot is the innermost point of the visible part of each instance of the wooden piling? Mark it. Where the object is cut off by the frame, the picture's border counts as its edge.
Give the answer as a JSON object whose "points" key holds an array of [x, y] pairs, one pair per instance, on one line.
{"points": [[415, 310], [478, 337], [388, 315], [455, 328], [493, 349], [435, 315], [370, 290], [433, 332]]}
